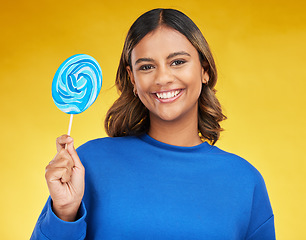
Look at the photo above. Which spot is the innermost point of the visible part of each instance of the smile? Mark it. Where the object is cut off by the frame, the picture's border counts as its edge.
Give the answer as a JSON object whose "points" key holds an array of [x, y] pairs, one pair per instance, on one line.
{"points": [[167, 95]]}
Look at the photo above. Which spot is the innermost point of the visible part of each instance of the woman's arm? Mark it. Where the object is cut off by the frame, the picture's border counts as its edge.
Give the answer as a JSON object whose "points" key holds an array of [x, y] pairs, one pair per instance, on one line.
{"points": [[64, 212], [261, 225]]}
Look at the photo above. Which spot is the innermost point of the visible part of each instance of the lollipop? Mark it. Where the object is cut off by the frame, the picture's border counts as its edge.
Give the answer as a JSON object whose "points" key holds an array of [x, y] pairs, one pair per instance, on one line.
{"points": [[76, 84]]}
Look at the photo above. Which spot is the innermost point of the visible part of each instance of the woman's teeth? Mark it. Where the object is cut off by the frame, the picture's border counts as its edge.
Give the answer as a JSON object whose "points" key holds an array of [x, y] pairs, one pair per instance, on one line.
{"points": [[166, 95]]}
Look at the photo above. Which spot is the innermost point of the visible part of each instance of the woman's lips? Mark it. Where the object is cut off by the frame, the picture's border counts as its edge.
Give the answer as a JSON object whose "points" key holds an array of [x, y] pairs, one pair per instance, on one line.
{"points": [[168, 96]]}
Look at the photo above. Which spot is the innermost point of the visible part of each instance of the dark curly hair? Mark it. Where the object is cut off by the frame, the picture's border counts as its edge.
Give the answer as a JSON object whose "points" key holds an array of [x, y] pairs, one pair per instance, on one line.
{"points": [[128, 116]]}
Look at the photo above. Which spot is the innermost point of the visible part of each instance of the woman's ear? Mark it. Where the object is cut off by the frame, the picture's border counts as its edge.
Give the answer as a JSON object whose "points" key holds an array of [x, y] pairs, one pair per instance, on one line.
{"points": [[131, 76], [132, 79], [205, 76]]}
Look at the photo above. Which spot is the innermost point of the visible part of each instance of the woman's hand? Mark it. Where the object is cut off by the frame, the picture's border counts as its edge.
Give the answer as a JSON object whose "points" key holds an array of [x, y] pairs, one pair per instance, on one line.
{"points": [[65, 179]]}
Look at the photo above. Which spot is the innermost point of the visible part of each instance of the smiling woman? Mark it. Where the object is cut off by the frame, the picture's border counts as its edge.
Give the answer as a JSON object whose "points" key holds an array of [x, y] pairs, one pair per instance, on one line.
{"points": [[168, 77], [160, 38], [157, 176]]}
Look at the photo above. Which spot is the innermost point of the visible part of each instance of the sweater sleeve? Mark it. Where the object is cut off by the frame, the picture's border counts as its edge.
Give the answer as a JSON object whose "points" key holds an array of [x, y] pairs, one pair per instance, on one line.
{"points": [[50, 227], [261, 225]]}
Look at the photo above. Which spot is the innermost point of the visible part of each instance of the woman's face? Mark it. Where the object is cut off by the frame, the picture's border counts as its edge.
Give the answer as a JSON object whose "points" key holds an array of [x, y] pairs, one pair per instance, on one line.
{"points": [[167, 74]]}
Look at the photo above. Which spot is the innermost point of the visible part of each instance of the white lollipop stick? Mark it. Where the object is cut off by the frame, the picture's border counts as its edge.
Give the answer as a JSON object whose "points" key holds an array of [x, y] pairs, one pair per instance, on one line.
{"points": [[70, 124], [69, 128]]}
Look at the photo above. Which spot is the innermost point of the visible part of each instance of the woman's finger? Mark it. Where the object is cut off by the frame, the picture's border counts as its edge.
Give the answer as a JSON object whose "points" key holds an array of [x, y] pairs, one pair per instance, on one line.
{"points": [[62, 159], [53, 175], [71, 150], [62, 141]]}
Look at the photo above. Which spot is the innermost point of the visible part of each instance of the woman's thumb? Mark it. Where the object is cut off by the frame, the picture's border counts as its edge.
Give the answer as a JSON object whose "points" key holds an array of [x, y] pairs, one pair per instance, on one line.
{"points": [[71, 150]]}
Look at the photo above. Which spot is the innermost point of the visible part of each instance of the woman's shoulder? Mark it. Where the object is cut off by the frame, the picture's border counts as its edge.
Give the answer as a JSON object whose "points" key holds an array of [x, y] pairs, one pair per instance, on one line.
{"points": [[103, 151], [236, 164]]}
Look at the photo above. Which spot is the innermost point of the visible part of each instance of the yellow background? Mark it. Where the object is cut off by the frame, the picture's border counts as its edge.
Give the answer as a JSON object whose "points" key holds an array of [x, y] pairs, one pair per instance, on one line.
{"points": [[259, 48]]}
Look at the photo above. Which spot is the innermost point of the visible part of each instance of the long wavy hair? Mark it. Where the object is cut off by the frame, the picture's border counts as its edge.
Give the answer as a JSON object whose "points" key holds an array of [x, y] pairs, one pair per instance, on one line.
{"points": [[128, 116]]}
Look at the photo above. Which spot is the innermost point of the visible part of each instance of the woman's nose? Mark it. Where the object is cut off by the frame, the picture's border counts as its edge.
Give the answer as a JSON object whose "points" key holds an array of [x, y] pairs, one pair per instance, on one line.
{"points": [[164, 76]]}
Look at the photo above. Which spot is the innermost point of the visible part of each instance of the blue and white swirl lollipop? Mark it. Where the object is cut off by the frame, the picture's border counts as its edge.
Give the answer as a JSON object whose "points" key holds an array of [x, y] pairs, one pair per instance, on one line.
{"points": [[76, 84]]}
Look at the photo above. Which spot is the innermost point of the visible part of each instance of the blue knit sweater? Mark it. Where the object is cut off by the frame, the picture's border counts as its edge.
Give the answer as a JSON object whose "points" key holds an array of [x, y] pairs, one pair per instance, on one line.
{"points": [[140, 188]]}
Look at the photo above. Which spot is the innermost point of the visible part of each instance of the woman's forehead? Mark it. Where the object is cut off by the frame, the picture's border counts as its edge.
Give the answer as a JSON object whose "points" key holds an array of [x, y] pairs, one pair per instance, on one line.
{"points": [[162, 42]]}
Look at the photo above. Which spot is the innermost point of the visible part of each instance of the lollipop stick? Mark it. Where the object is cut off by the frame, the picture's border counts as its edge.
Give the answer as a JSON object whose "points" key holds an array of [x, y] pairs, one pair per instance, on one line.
{"points": [[69, 128], [70, 124]]}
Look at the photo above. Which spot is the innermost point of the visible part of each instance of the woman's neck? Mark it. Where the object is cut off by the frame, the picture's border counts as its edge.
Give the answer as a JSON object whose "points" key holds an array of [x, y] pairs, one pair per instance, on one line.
{"points": [[182, 132]]}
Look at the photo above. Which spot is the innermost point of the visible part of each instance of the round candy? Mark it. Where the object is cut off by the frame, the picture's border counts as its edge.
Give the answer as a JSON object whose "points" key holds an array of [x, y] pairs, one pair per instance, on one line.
{"points": [[76, 84]]}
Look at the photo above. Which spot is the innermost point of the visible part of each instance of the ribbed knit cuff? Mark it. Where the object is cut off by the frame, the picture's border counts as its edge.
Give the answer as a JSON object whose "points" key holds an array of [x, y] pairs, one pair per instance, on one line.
{"points": [[55, 228]]}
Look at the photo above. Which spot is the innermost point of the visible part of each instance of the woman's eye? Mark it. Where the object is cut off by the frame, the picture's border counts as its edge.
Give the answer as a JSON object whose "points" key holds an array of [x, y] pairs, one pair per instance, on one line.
{"points": [[145, 67], [177, 62]]}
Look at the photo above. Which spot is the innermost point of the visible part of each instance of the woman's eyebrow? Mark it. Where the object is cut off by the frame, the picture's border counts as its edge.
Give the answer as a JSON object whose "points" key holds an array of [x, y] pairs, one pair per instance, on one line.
{"points": [[171, 55], [139, 60], [178, 53]]}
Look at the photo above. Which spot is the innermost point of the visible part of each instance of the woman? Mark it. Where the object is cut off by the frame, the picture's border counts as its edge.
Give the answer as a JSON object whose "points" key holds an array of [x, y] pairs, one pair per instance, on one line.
{"points": [[157, 177]]}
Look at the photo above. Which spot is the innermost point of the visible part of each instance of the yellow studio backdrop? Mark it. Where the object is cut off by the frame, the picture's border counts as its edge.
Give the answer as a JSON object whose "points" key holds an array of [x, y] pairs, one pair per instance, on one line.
{"points": [[259, 48]]}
